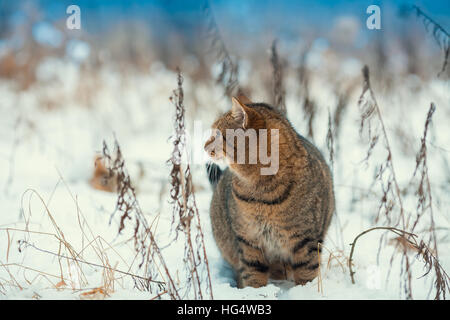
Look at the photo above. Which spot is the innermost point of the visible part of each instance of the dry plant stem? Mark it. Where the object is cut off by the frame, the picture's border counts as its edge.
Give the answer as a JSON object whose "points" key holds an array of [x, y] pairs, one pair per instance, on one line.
{"points": [[96, 239], [228, 75], [110, 270], [16, 142], [5, 266], [90, 263], [278, 89], [353, 244], [205, 255], [26, 268], [330, 147], [309, 106], [439, 33], [174, 291], [330, 141], [424, 193], [159, 295], [443, 279], [386, 140], [421, 162], [183, 201], [200, 232], [59, 234], [187, 232], [319, 278], [128, 205], [369, 107]]}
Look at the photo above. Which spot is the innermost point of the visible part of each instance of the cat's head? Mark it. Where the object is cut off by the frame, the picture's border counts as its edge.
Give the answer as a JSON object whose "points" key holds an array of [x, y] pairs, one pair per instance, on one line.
{"points": [[242, 119]]}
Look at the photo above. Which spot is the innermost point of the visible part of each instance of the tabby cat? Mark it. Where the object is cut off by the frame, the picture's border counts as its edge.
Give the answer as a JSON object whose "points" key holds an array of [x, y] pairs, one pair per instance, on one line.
{"points": [[268, 225]]}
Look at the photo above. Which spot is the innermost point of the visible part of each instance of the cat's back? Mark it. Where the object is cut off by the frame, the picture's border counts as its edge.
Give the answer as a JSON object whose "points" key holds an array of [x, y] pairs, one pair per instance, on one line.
{"points": [[312, 196], [281, 120]]}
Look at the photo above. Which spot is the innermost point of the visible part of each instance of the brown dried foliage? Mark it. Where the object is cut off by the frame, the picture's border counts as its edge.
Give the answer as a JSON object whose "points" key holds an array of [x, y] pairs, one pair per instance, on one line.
{"points": [[392, 197], [144, 241], [439, 34], [372, 121], [424, 204], [309, 106], [278, 88], [228, 76], [408, 240], [186, 217], [343, 99], [330, 141]]}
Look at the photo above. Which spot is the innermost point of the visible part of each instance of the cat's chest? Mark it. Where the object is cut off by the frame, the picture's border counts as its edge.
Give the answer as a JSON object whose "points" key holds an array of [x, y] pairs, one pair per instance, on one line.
{"points": [[263, 223], [271, 238]]}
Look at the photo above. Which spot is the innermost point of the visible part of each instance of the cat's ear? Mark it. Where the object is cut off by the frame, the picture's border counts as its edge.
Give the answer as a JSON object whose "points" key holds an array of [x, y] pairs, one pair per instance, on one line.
{"points": [[245, 115], [243, 98]]}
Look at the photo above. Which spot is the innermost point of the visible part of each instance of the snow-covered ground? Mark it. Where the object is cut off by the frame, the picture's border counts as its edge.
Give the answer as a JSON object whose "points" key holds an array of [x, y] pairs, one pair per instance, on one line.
{"points": [[51, 132]]}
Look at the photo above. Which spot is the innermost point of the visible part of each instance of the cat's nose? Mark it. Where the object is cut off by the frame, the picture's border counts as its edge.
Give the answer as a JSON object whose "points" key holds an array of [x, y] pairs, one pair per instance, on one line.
{"points": [[208, 142], [210, 149]]}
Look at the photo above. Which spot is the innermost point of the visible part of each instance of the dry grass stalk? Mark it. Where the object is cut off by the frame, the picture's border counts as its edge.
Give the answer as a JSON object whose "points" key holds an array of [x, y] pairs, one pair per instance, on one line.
{"points": [[278, 88], [424, 204], [343, 99], [331, 151], [439, 34], [370, 113], [71, 257], [309, 106], [423, 192], [228, 76], [339, 112], [59, 235], [24, 244], [94, 294], [442, 278], [144, 240], [330, 141], [186, 217], [76, 275], [15, 144], [392, 195], [372, 122], [399, 232]]}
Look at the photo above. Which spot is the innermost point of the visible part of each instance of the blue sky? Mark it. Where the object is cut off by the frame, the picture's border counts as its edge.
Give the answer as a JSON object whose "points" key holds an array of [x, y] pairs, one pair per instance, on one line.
{"points": [[236, 16], [319, 10]]}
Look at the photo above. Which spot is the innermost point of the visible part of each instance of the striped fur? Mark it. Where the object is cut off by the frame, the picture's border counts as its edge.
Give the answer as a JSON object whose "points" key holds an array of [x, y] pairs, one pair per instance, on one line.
{"points": [[272, 226]]}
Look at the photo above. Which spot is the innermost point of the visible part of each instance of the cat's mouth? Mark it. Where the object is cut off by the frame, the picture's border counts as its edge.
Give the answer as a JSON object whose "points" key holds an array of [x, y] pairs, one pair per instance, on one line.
{"points": [[212, 151], [215, 157]]}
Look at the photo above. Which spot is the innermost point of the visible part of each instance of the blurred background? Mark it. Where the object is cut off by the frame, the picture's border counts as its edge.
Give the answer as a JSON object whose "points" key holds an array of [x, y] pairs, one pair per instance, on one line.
{"points": [[121, 64], [136, 34], [63, 91]]}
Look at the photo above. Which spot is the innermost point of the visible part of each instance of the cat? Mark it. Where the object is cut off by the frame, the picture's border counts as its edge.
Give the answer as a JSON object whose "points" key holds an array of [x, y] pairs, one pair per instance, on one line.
{"points": [[268, 225]]}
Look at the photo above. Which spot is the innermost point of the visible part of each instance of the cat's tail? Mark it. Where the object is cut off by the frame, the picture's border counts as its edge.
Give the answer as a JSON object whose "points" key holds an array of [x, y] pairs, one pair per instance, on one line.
{"points": [[214, 173]]}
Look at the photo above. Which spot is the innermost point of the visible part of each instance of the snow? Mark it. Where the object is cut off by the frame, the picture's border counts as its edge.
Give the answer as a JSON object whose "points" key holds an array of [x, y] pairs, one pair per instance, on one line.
{"points": [[47, 158]]}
